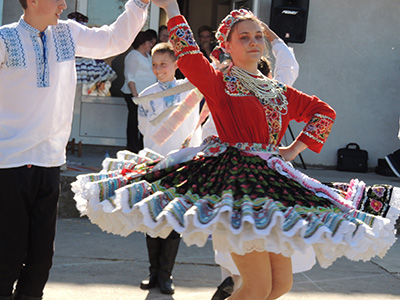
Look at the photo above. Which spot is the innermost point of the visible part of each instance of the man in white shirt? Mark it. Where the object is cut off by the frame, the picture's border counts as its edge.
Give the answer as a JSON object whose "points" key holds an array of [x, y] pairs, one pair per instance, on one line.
{"points": [[37, 90]]}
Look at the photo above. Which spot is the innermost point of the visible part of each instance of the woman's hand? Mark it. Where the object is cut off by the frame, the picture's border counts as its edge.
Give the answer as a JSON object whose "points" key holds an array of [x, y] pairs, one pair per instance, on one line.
{"points": [[289, 153], [171, 7]]}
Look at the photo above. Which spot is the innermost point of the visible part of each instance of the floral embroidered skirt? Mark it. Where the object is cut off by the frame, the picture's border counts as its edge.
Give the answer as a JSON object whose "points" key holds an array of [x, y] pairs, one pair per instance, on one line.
{"points": [[246, 197]]}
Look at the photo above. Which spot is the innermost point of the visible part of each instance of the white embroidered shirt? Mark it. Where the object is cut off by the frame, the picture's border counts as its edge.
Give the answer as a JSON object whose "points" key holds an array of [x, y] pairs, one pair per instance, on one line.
{"points": [[38, 81]]}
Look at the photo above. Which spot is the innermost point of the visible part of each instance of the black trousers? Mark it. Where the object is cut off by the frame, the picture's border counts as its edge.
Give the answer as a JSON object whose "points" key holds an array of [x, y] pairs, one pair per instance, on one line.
{"points": [[133, 135], [28, 213]]}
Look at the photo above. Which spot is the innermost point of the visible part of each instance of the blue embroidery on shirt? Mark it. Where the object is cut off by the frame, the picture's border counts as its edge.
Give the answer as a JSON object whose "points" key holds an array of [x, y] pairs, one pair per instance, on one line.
{"points": [[65, 45], [140, 4], [41, 54], [15, 51], [153, 107], [42, 64], [169, 100], [142, 112], [39, 44]]}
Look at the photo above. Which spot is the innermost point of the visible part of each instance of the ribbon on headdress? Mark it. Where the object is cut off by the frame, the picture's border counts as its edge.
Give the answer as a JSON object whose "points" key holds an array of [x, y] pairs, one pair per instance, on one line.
{"points": [[227, 23]]}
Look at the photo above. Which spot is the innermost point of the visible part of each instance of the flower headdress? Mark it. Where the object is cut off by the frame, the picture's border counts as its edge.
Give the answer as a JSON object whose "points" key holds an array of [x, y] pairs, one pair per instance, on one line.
{"points": [[227, 23]]}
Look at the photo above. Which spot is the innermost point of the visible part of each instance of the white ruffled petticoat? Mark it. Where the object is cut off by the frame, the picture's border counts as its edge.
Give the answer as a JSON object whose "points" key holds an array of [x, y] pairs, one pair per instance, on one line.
{"points": [[116, 204]]}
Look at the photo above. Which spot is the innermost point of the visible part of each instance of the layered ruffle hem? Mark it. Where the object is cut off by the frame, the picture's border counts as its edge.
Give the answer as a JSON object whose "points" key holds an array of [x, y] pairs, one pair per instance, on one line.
{"points": [[246, 197]]}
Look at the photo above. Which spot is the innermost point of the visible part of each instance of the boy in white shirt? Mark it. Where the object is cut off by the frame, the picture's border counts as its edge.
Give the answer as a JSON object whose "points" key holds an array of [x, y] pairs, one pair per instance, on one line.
{"points": [[152, 114], [37, 91], [162, 252]]}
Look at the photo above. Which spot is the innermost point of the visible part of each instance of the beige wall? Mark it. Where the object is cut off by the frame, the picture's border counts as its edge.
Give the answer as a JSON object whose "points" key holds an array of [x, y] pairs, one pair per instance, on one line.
{"points": [[351, 59]]}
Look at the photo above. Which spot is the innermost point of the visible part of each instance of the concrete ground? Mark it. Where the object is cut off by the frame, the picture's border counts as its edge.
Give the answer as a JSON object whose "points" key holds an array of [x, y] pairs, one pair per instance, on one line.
{"points": [[91, 264]]}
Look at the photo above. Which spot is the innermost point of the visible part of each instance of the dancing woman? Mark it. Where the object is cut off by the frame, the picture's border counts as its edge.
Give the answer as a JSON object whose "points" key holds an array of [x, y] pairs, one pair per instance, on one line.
{"points": [[240, 188]]}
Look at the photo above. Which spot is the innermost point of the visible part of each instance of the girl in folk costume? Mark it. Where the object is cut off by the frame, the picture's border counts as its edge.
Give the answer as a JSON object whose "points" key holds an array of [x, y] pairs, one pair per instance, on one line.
{"points": [[240, 188]]}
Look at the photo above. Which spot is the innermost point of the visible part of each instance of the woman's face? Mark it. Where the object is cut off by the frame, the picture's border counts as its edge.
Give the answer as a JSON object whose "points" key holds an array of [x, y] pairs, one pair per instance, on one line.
{"points": [[164, 36], [148, 45], [246, 44]]}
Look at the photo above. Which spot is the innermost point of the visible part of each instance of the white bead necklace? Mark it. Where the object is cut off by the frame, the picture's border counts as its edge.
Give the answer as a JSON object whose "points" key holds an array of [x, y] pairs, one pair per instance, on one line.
{"points": [[266, 90]]}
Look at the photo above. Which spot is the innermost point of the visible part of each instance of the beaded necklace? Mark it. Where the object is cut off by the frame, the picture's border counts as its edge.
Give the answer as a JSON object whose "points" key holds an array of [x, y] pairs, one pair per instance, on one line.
{"points": [[267, 91]]}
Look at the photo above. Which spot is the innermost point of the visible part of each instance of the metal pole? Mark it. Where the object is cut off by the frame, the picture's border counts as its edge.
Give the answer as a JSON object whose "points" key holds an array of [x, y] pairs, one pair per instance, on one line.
{"points": [[82, 6], [256, 7], [301, 157], [1, 12]]}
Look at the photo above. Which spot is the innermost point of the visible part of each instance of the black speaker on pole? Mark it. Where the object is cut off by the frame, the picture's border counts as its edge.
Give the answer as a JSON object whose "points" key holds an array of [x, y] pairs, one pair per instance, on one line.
{"points": [[289, 19]]}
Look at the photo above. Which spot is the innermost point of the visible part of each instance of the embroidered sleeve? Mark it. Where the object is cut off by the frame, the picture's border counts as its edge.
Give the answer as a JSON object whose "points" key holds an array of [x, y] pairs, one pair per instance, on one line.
{"points": [[317, 114], [318, 128], [194, 65], [181, 37]]}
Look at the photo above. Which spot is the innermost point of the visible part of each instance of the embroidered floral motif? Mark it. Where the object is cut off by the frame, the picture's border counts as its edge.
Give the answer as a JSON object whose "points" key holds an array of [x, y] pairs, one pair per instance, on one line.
{"points": [[15, 50], [254, 147], [65, 45], [319, 127], [274, 119], [181, 37], [376, 205], [376, 200], [214, 148], [233, 87]]}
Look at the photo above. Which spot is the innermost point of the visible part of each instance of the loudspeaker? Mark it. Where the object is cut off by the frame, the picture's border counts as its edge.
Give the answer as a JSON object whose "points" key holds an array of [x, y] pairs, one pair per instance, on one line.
{"points": [[289, 19]]}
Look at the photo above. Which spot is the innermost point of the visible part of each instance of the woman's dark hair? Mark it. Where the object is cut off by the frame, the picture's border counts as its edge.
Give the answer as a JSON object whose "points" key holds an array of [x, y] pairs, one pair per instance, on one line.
{"points": [[263, 66], [140, 39], [152, 33]]}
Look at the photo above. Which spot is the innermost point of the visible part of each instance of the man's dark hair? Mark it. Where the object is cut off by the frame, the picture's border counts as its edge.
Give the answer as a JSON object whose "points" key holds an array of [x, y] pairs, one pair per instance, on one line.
{"points": [[162, 27], [23, 4]]}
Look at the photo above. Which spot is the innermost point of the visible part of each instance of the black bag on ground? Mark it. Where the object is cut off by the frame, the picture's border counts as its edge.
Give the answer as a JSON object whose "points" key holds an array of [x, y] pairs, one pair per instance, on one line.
{"points": [[352, 159]]}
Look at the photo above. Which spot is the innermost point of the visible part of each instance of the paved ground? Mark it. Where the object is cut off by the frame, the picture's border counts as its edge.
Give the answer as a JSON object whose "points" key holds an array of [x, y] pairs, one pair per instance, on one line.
{"points": [[90, 264]]}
